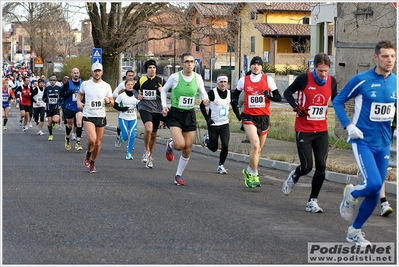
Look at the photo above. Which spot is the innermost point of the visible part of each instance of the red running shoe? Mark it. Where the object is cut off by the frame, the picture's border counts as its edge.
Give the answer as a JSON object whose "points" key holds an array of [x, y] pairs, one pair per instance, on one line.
{"points": [[86, 161], [179, 180], [92, 168], [170, 155]]}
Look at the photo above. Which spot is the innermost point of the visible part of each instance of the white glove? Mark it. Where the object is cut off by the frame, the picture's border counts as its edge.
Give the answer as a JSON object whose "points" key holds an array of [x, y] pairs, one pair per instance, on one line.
{"points": [[354, 132]]}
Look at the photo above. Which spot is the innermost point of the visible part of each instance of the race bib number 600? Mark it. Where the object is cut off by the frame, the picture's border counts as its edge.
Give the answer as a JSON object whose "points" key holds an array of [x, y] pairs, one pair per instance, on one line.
{"points": [[256, 101], [382, 111]]}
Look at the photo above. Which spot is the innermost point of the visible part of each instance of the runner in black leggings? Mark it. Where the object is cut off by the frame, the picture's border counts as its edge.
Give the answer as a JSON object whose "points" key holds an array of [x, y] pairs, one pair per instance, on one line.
{"points": [[315, 90], [218, 120]]}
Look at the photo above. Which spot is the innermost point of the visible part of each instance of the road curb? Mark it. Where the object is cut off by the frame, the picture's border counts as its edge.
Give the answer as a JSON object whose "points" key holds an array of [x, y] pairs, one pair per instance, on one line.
{"points": [[390, 186]]}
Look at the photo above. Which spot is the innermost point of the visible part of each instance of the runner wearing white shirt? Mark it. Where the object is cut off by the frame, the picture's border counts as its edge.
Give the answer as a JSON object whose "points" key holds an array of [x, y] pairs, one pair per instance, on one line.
{"points": [[97, 93]]}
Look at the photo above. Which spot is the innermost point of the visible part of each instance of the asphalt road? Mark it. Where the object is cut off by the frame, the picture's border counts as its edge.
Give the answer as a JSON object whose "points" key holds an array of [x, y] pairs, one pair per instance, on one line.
{"points": [[56, 212]]}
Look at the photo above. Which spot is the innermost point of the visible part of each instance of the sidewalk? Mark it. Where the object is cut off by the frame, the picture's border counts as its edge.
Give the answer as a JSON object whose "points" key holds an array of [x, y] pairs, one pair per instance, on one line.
{"points": [[271, 152]]}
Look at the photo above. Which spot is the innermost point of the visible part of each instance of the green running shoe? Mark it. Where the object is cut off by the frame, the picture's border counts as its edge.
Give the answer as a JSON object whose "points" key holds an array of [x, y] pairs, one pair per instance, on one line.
{"points": [[256, 182], [248, 178]]}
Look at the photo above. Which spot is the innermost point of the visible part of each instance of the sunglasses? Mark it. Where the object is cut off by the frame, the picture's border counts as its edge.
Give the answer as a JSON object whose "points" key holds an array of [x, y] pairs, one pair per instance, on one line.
{"points": [[189, 61], [53, 80]]}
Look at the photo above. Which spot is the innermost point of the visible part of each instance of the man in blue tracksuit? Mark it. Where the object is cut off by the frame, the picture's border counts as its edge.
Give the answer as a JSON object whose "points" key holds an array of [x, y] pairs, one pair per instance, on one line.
{"points": [[369, 132]]}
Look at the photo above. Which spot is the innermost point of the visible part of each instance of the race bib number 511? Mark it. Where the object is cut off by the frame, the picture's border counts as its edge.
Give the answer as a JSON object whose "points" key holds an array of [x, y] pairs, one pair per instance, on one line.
{"points": [[186, 102]]}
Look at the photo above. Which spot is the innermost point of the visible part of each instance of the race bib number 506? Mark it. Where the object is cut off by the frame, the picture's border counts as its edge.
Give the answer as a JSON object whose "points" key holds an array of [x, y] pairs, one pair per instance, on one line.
{"points": [[382, 111]]}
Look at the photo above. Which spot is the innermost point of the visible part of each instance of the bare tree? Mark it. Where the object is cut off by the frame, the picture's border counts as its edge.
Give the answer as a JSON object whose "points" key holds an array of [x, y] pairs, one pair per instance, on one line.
{"points": [[45, 23], [113, 31]]}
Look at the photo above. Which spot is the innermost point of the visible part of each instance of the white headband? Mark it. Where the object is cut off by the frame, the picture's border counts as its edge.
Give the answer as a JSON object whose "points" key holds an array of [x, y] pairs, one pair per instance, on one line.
{"points": [[222, 79]]}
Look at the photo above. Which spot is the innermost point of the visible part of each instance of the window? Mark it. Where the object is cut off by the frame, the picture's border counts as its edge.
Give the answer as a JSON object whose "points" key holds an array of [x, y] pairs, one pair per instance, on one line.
{"points": [[230, 48], [198, 20], [252, 44], [197, 47], [26, 41], [252, 15]]}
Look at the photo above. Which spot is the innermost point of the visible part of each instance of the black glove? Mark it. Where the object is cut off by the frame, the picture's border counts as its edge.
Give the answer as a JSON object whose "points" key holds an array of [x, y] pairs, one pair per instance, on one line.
{"points": [[125, 108], [209, 122], [302, 111], [267, 93], [234, 103]]}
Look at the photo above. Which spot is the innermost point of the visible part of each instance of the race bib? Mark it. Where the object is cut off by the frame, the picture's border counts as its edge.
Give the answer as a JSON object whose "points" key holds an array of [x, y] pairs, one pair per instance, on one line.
{"points": [[186, 102], [149, 94], [5, 98], [74, 96], [223, 111], [256, 101], [130, 111], [52, 100], [317, 113], [382, 111], [95, 105]]}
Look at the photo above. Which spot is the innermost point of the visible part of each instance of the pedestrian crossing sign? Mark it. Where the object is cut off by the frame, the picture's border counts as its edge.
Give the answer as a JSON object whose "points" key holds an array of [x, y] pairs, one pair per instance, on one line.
{"points": [[96, 54]]}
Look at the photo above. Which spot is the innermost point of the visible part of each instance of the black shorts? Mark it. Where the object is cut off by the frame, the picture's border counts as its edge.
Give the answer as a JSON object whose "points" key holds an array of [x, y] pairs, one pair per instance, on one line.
{"points": [[155, 118], [26, 108], [69, 114], [184, 119], [262, 123], [52, 112], [97, 121], [38, 112]]}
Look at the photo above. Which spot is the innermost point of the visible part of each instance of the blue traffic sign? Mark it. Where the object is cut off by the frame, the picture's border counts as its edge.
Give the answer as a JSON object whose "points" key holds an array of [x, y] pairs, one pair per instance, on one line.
{"points": [[96, 55], [197, 60]]}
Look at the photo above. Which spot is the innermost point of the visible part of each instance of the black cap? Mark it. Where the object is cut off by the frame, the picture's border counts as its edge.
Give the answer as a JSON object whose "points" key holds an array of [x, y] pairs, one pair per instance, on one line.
{"points": [[149, 63], [257, 60]]}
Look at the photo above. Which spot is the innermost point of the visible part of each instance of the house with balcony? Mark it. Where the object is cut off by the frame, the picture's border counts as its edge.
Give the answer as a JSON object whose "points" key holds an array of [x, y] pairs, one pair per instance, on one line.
{"points": [[277, 31]]}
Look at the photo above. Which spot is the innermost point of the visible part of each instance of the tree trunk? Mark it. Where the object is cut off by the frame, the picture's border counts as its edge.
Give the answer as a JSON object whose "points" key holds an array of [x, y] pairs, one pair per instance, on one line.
{"points": [[110, 68]]}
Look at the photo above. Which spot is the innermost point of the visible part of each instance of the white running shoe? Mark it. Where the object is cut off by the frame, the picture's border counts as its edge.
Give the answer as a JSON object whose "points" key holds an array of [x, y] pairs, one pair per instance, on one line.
{"points": [[288, 184], [386, 209], [348, 204], [313, 206], [146, 155], [117, 142], [149, 164], [221, 169], [357, 236], [73, 136], [204, 140], [40, 133], [30, 124]]}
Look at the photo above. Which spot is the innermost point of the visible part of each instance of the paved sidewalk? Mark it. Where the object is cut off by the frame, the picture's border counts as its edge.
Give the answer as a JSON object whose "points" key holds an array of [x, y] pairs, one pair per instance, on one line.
{"points": [[273, 149]]}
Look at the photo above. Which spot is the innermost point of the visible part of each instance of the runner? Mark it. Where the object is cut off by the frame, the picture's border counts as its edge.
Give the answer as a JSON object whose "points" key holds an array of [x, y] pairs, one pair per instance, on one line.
{"points": [[126, 104], [218, 120], [71, 112], [51, 97], [147, 90], [7, 95], [39, 105], [370, 134], [97, 93], [181, 116]]}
